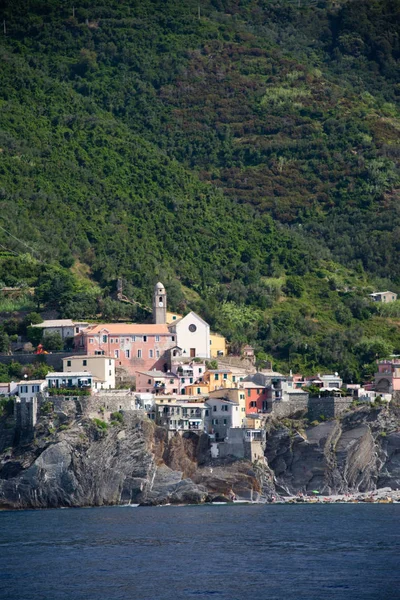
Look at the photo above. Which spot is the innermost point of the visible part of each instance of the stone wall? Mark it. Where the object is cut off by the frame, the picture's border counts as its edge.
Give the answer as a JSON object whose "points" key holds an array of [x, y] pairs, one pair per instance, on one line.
{"points": [[286, 408], [53, 360], [328, 407]]}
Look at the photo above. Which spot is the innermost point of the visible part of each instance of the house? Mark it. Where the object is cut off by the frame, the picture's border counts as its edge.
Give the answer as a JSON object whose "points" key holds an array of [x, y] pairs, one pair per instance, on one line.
{"points": [[383, 296], [134, 347], [171, 317], [256, 397], [192, 335], [29, 389], [181, 415], [101, 367], [188, 372], [217, 345], [223, 414], [387, 379], [157, 382], [74, 380], [196, 389], [218, 378], [329, 382], [66, 328], [8, 389], [248, 352]]}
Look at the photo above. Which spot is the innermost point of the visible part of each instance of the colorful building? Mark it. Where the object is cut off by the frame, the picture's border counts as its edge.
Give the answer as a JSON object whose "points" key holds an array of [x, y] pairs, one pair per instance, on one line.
{"points": [[387, 379], [156, 382], [101, 367], [134, 347], [217, 345], [256, 397]]}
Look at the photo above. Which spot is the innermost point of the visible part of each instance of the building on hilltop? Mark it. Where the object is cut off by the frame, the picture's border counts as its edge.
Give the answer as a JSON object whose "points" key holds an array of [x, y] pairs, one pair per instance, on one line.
{"points": [[66, 328], [383, 296]]}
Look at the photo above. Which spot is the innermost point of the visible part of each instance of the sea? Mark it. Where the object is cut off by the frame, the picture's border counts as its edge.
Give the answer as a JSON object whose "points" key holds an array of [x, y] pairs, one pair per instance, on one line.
{"points": [[219, 552]]}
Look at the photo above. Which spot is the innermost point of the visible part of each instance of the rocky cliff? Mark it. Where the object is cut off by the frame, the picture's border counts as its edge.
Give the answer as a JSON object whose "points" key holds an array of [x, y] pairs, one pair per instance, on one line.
{"points": [[77, 461], [358, 452]]}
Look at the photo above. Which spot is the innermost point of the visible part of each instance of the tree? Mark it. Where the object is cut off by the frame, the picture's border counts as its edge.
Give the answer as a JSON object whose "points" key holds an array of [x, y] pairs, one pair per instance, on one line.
{"points": [[4, 342], [52, 342], [34, 335], [294, 286]]}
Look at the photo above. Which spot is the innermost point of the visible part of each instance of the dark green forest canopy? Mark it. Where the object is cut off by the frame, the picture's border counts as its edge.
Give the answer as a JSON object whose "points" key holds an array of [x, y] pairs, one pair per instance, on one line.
{"points": [[227, 152]]}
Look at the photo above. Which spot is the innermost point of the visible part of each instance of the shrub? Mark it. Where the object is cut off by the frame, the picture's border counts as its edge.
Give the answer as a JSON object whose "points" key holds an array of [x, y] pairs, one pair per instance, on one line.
{"points": [[117, 416], [100, 424]]}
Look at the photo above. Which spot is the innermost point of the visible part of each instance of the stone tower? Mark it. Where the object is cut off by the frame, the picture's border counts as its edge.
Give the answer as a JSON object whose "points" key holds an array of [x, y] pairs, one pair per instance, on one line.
{"points": [[159, 304]]}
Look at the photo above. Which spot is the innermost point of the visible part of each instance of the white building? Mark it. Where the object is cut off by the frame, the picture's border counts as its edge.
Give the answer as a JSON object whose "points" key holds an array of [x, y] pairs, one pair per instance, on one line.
{"points": [[82, 380], [224, 414], [192, 336], [101, 367], [383, 296], [66, 328], [29, 389], [8, 389]]}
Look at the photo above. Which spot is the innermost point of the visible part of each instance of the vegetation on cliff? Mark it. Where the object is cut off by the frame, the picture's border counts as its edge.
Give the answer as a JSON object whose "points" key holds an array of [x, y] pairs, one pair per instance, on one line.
{"points": [[247, 156]]}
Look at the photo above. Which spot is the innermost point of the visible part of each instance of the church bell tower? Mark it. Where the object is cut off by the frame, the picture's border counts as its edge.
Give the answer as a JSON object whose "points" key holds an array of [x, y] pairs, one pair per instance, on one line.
{"points": [[159, 304]]}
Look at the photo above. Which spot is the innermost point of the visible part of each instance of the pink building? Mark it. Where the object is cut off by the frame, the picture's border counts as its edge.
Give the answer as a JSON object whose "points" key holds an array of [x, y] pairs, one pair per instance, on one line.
{"points": [[387, 379], [188, 373], [157, 382], [134, 347]]}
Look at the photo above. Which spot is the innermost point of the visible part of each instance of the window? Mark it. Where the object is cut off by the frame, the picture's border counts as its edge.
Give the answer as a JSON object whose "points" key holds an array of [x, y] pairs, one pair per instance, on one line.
{"points": [[200, 370], [243, 409], [24, 389], [68, 363], [192, 328], [127, 353], [216, 376], [90, 340], [157, 354], [151, 353], [258, 391], [249, 393], [225, 421], [171, 381], [149, 381], [174, 318], [172, 338], [224, 407], [112, 340], [215, 421], [198, 390], [76, 329], [104, 338], [127, 340], [214, 408], [206, 413], [139, 354], [109, 362], [145, 338], [182, 380], [225, 375], [253, 404], [109, 373], [84, 363], [234, 378], [157, 338], [191, 380], [134, 338], [116, 353], [241, 396]]}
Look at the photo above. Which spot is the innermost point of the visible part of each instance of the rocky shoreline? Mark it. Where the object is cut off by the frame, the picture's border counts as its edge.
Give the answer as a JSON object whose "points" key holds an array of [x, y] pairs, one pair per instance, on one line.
{"points": [[71, 462]]}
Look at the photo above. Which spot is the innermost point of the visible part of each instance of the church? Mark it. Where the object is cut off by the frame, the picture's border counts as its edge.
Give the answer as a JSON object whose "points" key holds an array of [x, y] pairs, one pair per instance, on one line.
{"points": [[145, 347]]}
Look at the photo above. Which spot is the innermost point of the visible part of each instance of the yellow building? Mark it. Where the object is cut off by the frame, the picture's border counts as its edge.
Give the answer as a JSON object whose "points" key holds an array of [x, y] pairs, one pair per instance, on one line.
{"points": [[196, 389], [171, 317], [217, 345]]}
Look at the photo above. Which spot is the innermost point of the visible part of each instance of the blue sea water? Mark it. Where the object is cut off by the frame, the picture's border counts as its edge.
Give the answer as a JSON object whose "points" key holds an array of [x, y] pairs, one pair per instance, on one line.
{"points": [[258, 552]]}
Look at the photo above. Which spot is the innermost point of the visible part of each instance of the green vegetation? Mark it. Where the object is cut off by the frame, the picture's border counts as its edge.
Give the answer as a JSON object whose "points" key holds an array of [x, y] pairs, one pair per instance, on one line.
{"points": [[247, 158], [68, 392], [102, 425], [117, 418]]}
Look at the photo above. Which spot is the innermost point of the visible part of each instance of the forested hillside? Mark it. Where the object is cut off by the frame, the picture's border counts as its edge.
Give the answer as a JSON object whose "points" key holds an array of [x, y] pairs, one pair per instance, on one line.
{"points": [[244, 151]]}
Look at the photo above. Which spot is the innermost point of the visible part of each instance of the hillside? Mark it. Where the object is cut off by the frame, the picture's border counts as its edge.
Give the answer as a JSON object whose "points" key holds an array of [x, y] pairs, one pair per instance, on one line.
{"points": [[248, 153]]}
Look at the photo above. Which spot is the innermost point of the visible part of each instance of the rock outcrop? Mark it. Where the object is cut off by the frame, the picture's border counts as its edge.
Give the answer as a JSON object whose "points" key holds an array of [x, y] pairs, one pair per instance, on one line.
{"points": [[358, 452]]}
